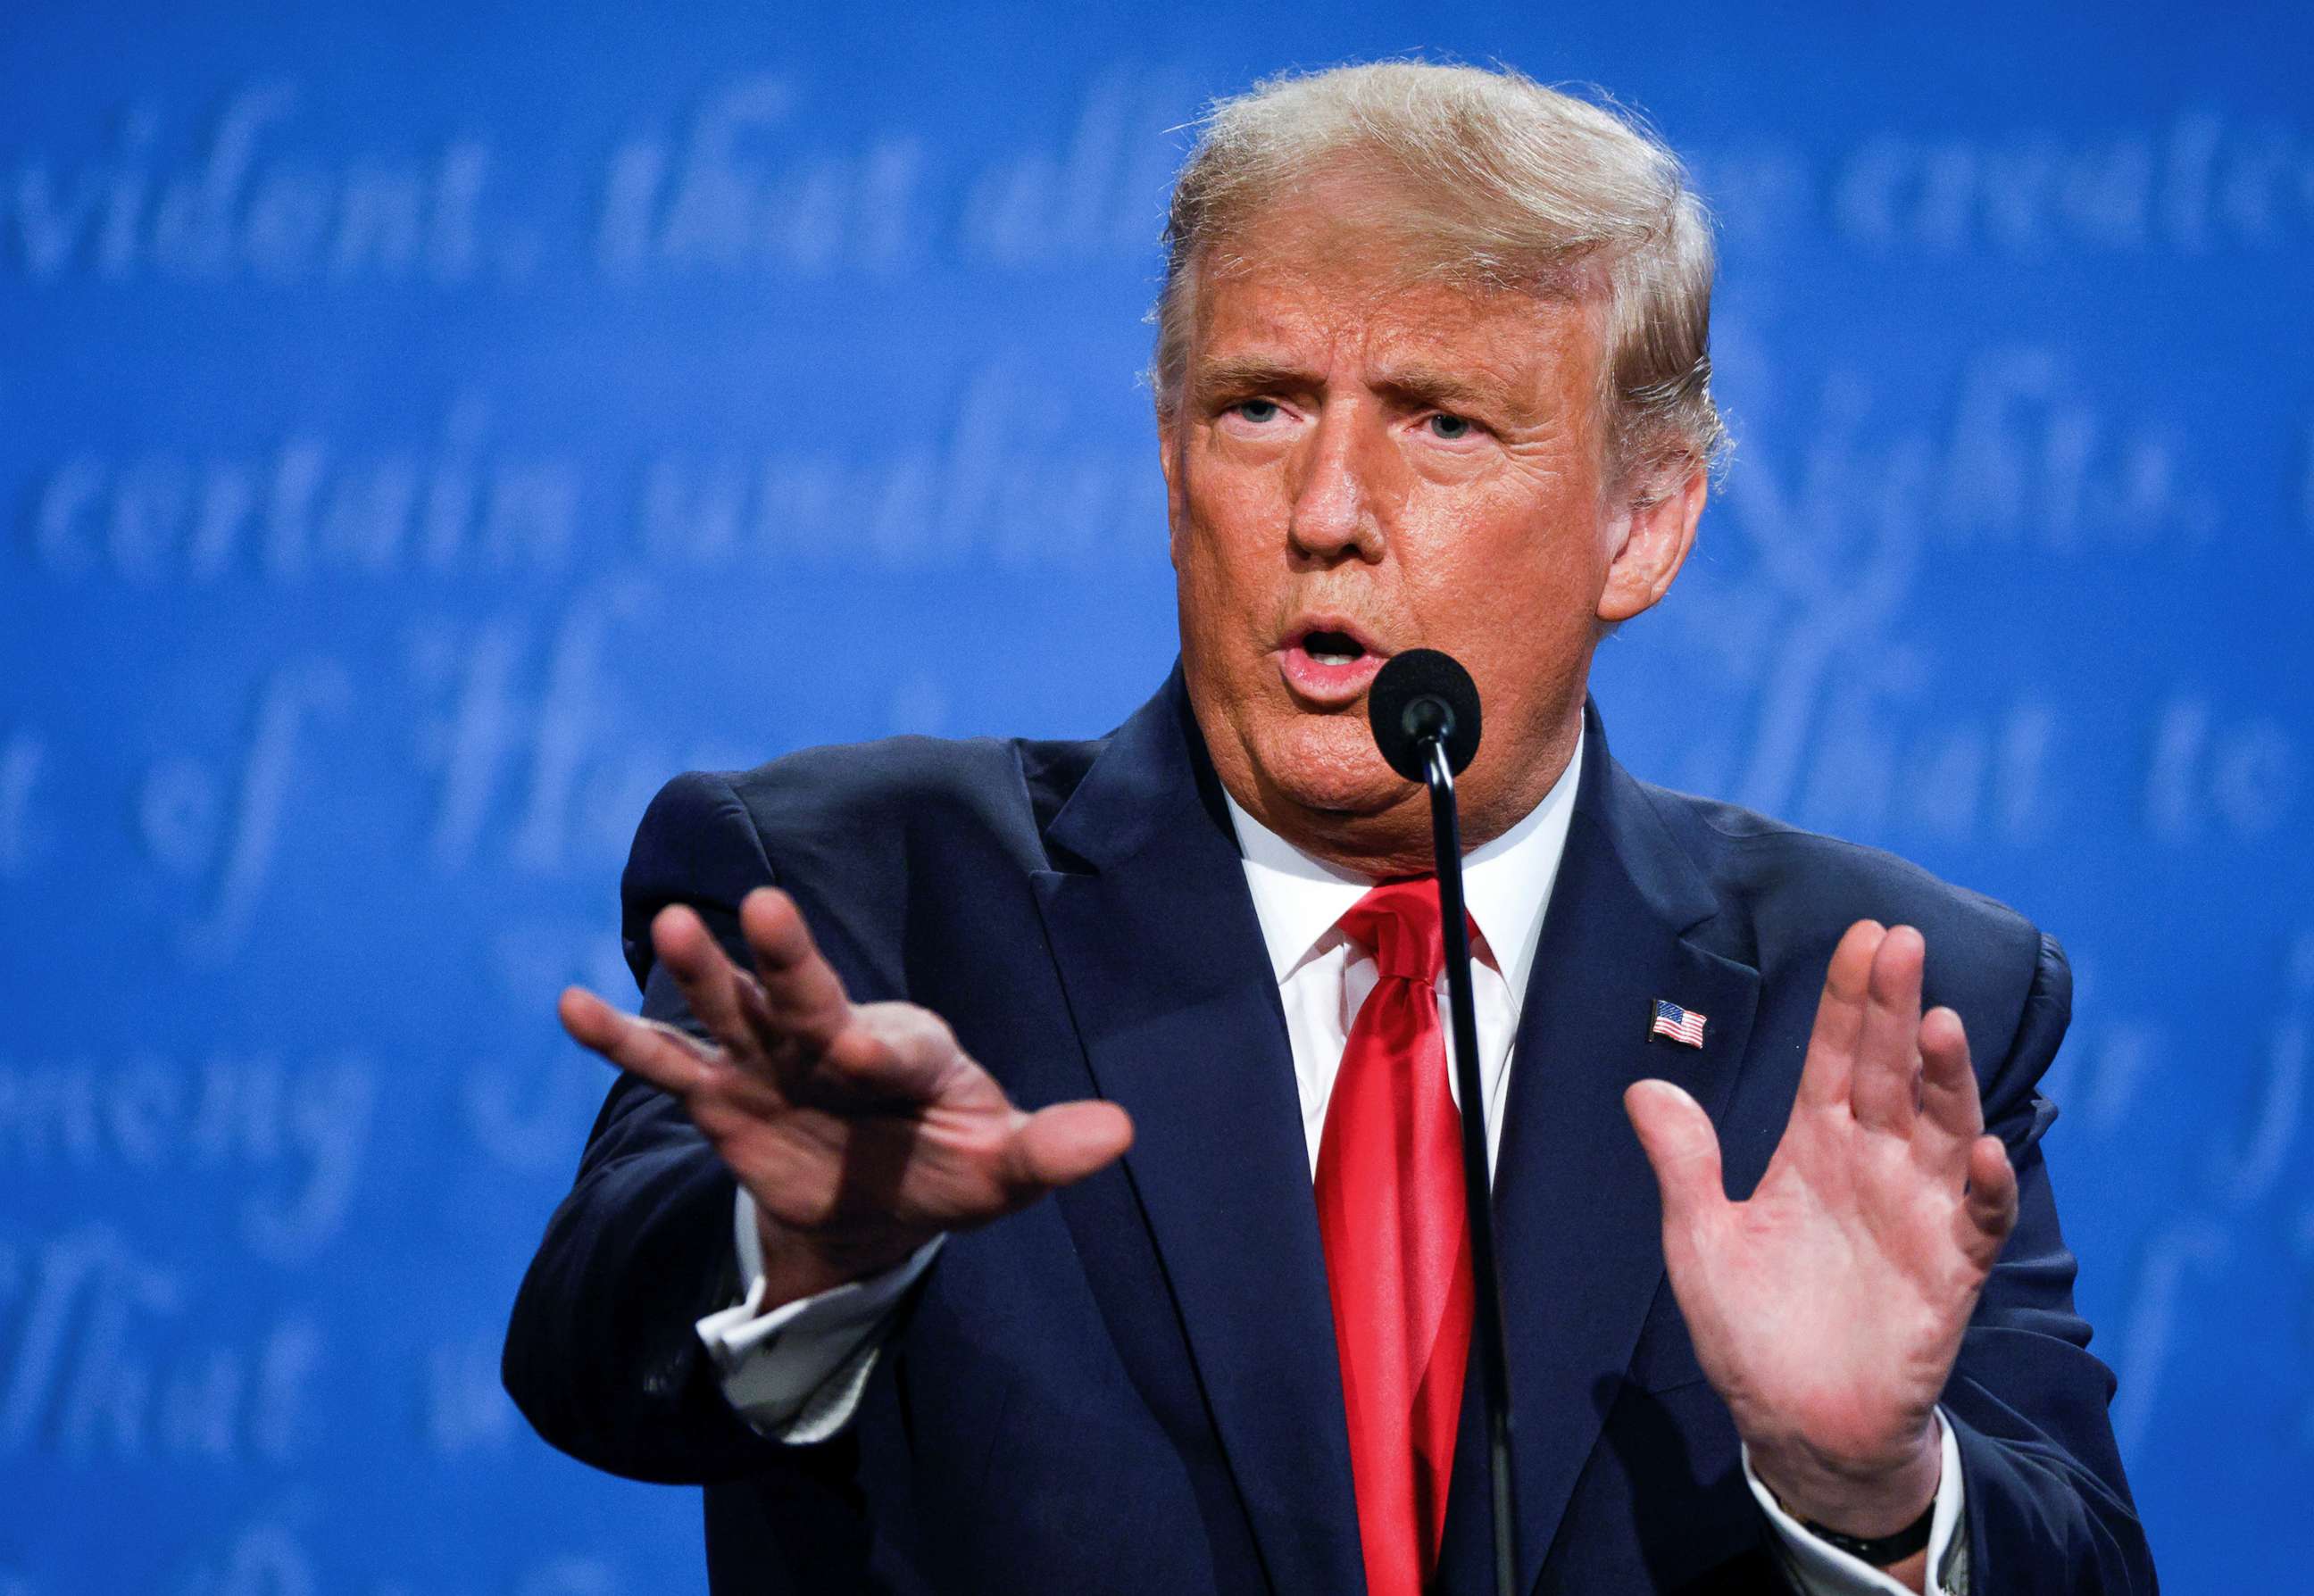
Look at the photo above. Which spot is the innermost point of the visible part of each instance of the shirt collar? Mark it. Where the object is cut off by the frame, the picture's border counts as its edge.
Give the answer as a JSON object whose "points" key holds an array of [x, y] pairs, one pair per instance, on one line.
{"points": [[1506, 885]]}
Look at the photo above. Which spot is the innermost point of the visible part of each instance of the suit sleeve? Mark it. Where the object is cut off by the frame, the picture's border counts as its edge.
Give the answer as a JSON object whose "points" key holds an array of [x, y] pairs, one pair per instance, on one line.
{"points": [[602, 1353], [2049, 1509]]}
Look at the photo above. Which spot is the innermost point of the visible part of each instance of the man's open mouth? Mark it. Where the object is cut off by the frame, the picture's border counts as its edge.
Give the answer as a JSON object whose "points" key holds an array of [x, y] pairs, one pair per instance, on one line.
{"points": [[1333, 648], [1328, 666]]}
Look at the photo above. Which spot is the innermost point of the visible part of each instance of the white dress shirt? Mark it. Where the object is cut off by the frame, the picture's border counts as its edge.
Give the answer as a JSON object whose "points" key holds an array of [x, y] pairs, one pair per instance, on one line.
{"points": [[796, 1373]]}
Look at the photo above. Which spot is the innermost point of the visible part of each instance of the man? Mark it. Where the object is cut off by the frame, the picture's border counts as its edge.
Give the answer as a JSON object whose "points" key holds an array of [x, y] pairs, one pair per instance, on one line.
{"points": [[1431, 371]]}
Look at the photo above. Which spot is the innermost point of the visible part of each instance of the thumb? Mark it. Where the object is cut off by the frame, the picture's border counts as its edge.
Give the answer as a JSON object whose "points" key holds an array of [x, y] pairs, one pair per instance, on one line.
{"points": [[1063, 1144], [1680, 1142]]}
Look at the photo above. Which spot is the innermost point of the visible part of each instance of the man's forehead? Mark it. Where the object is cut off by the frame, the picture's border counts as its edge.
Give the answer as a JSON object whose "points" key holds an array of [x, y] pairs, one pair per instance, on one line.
{"points": [[1284, 316]]}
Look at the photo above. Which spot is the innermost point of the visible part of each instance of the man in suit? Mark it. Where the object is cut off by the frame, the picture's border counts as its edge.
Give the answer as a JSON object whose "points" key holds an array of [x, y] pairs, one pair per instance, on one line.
{"points": [[1033, 1166]]}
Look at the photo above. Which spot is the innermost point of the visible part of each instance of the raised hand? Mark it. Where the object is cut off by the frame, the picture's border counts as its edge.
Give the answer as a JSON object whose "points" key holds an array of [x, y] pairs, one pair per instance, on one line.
{"points": [[1827, 1309], [862, 1129]]}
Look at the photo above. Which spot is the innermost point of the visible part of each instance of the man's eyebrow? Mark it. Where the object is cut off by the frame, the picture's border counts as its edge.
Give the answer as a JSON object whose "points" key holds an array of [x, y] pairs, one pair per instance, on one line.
{"points": [[1433, 386], [1250, 373], [1414, 384]]}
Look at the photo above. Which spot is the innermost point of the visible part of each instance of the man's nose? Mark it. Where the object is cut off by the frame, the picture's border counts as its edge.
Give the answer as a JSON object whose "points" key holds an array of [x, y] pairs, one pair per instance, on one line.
{"points": [[1334, 511]]}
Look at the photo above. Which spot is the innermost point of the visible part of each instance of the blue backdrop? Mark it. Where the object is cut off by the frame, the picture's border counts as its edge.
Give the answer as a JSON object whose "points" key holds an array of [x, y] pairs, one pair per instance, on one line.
{"points": [[429, 427]]}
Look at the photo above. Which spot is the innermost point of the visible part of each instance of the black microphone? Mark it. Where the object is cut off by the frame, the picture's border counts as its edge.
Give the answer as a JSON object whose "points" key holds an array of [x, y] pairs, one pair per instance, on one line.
{"points": [[1424, 710], [1418, 695]]}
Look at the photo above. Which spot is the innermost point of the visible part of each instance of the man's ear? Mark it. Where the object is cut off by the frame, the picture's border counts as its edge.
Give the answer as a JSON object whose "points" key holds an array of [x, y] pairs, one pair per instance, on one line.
{"points": [[1650, 541], [1168, 436]]}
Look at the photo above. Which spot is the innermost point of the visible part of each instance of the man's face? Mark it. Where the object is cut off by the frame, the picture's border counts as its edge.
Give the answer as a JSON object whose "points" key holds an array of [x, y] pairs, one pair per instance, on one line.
{"points": [[1358, 465]]}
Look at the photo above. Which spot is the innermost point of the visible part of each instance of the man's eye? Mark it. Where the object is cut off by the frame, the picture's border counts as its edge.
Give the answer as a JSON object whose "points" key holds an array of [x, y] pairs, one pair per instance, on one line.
{"points": [[1450, 429], [1256, 410]]}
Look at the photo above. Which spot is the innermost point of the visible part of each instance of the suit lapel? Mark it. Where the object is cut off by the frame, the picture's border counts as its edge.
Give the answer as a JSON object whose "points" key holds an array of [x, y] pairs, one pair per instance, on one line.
{"points": [[1577, 1209], [1172, 996]]}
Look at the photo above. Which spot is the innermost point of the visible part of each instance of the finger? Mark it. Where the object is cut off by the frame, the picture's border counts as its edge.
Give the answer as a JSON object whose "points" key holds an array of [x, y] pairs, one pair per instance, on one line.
{"points": [[660, 1054], [704, 973], [1683, 1150], [803, 1000], [1990, 1211], [1883, 1089], [1839, 1016], [1951, 1116], [1061, 1145]]}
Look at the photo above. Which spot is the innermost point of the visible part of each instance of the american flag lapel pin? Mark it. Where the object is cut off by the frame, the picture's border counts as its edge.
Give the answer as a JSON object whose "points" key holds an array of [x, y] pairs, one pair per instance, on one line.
{"points": [[1680, 1024]]}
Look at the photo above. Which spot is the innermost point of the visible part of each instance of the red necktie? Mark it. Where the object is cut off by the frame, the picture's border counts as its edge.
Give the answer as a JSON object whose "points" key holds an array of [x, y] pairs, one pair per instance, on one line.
{"points": [[1390, 1209]]}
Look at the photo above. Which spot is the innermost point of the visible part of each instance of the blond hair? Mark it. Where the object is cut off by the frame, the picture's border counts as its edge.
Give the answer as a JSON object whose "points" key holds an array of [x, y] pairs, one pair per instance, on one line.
{"points": [[1496, 181]]}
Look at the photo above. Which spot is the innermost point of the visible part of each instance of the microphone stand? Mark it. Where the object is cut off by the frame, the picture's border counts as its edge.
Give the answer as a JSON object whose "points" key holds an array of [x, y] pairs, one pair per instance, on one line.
{"points": [[1478, 1201]]}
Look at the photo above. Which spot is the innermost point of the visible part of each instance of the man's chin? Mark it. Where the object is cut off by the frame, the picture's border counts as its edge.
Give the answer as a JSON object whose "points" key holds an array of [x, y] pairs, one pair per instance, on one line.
{"points": [[1333, 769]]}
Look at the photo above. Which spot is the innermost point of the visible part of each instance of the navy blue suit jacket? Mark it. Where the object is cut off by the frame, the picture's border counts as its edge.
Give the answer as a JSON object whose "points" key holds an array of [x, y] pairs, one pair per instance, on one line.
{"points": [[1131, 1387]]}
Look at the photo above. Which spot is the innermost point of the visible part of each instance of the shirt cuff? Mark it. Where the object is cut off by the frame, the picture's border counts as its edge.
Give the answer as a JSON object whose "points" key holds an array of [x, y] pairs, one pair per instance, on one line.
{"points": [[796, 1373], [1818, 1568]]}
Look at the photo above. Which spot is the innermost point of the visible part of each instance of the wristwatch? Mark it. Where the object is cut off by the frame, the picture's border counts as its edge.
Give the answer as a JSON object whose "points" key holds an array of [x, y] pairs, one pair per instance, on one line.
{"points": [[1880, 1551]]}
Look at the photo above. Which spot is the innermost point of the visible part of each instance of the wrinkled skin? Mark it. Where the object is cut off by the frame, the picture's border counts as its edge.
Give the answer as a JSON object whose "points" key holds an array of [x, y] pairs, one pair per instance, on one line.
{"points": [[1422, 461]]}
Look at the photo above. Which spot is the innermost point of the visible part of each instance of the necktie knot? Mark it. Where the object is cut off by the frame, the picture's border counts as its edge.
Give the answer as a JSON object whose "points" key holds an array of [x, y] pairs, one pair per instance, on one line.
{"points": [[1397, 923]]}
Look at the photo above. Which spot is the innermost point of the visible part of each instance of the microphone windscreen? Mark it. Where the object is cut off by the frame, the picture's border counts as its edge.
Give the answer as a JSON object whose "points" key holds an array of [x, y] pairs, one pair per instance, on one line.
{"points": [[1416, 694]]}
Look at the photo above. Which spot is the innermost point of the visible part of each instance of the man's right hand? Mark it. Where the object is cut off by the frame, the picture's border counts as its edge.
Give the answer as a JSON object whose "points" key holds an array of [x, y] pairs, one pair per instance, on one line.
{"points": [[862, 1130]]}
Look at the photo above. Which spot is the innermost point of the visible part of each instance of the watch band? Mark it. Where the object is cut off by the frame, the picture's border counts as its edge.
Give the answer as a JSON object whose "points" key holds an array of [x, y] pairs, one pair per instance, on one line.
{"points": [[1884, 1550]]}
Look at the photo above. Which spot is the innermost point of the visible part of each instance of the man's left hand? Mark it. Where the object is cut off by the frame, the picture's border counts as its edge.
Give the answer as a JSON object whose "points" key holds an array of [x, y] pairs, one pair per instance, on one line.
{"points": [[1827, 1309]]}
